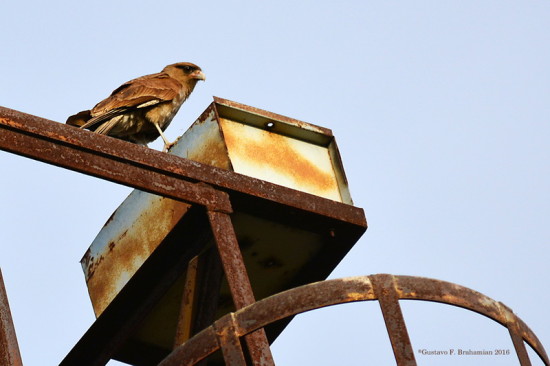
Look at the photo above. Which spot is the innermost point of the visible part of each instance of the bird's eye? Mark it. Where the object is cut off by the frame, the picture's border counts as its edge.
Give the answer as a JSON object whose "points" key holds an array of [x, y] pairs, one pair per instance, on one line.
{"points": [[187, 68]]}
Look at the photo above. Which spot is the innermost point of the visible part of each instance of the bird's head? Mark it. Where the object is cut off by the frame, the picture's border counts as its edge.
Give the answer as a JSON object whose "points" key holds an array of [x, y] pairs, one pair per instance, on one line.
{"points": [[185, 72]]}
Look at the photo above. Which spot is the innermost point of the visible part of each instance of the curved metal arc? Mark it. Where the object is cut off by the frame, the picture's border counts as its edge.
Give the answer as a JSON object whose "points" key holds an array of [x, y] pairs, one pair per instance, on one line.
{"points": [[427, 289], [351, 289]]}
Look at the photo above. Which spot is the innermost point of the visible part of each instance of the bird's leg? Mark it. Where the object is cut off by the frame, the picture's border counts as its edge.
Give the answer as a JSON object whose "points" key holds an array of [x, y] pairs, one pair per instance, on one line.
{"points": [[167, 144]]}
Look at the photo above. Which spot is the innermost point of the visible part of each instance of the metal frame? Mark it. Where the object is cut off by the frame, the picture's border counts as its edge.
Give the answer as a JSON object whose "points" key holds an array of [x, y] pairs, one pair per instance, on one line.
{"points": [[387, 289], [31, 136], [208, 190], [204, 187]]}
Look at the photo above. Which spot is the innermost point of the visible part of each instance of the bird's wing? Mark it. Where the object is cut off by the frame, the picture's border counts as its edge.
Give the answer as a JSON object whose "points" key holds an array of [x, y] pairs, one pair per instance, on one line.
{"points": [[107, 126], [142, 92], [79, 119]]}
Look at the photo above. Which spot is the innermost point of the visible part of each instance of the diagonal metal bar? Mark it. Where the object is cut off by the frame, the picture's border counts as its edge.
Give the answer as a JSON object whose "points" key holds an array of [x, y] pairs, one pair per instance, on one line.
{"points": [[239, 283], [515, 334], [9, 349], [384, 288], [101, 156], [232, 259]]}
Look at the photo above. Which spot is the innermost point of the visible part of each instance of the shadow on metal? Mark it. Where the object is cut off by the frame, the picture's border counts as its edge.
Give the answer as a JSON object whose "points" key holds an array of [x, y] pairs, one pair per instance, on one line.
{"points": [[387, 289]]}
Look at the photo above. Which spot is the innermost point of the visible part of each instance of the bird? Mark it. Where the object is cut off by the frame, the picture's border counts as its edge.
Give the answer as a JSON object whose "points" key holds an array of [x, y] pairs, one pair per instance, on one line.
{"points": [[141, 109]]}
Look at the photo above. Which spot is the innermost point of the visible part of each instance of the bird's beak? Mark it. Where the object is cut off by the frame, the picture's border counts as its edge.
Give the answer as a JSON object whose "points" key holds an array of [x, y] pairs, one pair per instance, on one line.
{"points": [[199, 75]]}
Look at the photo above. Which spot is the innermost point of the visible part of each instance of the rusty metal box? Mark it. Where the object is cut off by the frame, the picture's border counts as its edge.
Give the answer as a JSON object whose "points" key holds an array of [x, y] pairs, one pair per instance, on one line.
{"points": [[287, 238], [267, 146]]}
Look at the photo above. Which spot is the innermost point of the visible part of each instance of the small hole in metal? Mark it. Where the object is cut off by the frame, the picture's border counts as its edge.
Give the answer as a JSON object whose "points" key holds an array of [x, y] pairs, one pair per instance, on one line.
{"points": [[270, 124]]}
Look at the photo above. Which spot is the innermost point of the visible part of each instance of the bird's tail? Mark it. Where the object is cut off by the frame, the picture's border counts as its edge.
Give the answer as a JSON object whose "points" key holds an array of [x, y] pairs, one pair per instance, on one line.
{"points": [[79, 119]]}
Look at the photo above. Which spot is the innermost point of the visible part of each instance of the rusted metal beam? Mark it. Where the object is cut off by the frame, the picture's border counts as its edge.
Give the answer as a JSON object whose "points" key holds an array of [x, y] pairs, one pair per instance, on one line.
{"points": [[231, 258], [210, 278], [194, 350], [239, 283], [202, 286], [339, 291], [9, 349], [100, 156], [147, 169], [388, 298], [188, 301]]}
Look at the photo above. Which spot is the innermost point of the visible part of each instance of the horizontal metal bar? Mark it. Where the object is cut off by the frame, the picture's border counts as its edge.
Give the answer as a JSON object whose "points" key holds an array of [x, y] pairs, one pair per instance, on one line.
{"points": [[101, 156]]}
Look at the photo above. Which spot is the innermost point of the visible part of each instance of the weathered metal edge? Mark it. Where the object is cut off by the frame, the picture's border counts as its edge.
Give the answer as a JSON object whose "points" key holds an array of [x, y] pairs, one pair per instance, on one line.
{"points": [[274, 116]]}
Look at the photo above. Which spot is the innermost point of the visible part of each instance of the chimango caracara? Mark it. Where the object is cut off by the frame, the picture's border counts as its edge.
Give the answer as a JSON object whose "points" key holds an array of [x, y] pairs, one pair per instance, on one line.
{"points": [[141, 109]]}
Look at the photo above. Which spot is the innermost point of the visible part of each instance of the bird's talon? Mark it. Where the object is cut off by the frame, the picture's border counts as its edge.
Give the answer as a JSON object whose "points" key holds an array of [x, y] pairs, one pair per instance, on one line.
{"points": [[168, 146]]}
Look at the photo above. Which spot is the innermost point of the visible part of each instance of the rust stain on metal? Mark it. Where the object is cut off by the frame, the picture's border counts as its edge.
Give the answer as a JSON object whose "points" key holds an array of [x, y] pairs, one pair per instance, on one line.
{"points": [[267, 146], [354, 296], [229, 341], [203, 142], [212, 152], [109, 219], [125, 253], [278, 159]]}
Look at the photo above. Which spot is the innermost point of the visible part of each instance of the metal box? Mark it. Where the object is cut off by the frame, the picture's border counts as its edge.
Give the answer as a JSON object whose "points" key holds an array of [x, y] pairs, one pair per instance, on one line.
{"points": [[287, 238], [267, 146]]}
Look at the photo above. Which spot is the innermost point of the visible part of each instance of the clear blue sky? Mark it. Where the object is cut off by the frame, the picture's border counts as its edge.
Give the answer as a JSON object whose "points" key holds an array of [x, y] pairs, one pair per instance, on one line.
{"points": [[440, 109]]}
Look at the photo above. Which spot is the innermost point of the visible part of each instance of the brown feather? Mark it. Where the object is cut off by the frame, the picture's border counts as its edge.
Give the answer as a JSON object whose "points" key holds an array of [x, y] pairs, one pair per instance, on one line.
{"points": [[138, 91], [139, 108], [79, 119]]}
